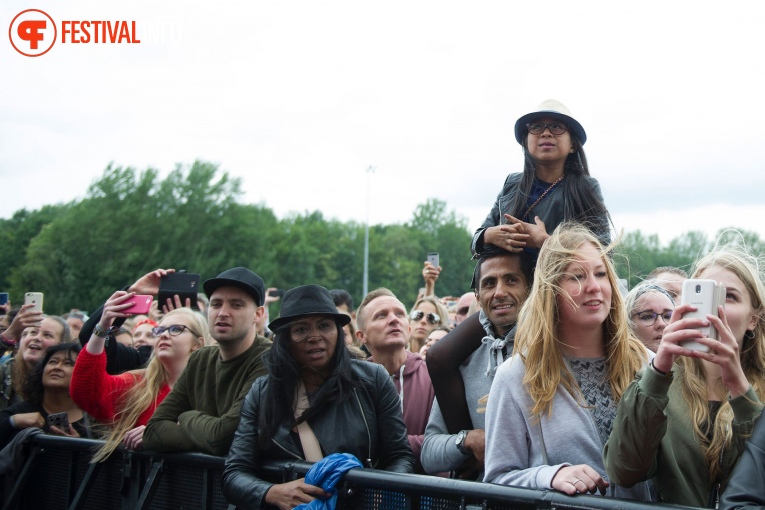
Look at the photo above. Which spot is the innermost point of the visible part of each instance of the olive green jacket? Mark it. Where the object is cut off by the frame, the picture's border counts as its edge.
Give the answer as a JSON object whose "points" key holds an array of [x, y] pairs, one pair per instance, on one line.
{"points": [[653, 437]]}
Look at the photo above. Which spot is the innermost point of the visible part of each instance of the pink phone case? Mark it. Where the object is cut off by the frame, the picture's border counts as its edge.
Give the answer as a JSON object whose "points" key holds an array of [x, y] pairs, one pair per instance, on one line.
{"points": [[141, 305]]}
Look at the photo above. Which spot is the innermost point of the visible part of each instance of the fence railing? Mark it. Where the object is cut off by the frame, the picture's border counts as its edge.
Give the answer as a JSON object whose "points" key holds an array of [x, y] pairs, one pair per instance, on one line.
{"points": [[57, 475]]}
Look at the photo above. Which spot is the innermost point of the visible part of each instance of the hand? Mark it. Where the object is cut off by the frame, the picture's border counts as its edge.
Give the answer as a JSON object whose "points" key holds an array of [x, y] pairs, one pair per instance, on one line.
{"points": [[149, 283], [678, 331], [507, 237], [536, 232], [430, 273], [69, 433], [174, 303], [288, 495], [26, 420], [579, 479], [269, 298], [725, 353], [475, 441], [113, 307], [133, 439], [26, 318]]}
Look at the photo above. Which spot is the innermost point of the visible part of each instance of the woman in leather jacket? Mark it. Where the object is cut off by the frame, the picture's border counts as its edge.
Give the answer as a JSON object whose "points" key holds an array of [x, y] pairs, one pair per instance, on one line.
{"points": [[315, 401], [746, 488]]}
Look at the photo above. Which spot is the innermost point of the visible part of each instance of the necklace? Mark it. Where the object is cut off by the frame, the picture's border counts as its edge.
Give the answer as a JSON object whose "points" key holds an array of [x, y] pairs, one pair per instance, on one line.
{"points": [[544, 194]]}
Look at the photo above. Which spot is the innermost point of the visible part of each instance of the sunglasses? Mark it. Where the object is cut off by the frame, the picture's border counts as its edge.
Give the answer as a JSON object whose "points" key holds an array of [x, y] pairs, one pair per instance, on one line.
{"points": [[433, 318]]}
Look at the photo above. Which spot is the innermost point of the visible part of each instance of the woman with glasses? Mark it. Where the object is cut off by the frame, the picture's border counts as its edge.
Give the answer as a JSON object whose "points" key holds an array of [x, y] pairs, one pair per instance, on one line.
{"points": [[649, 309], [554, 186], [551, 407], [125, 402], [685, 419], [315, 401], [427, 314]]}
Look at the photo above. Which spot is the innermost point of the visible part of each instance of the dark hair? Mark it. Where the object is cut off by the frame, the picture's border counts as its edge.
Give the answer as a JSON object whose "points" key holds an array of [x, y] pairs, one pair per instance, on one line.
{"points": [[490, 251], [34, 389], [581, 205], [342, 297], [283, 380]]}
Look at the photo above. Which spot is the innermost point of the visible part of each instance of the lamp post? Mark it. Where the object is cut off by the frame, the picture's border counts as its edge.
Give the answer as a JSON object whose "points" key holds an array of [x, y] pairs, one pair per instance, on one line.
{"points": [[365, 287]]}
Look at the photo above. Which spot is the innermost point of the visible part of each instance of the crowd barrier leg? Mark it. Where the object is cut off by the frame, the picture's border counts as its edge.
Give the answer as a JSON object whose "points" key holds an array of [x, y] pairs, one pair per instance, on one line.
{"points": [[87, 482], [18, 487], [152, 484]]}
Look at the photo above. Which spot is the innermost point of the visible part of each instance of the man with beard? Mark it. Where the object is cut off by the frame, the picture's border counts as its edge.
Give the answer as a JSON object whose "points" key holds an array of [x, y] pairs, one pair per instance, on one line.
{"points": [[201, 413], [501, 283]]}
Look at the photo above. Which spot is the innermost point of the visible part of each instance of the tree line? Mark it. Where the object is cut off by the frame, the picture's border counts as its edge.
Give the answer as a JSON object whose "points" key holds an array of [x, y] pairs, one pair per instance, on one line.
{"points": [[131, 222]]}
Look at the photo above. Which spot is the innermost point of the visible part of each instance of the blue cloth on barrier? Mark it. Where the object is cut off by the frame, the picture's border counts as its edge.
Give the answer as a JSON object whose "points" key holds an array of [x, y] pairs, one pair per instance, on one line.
{"points": [[326, 474]]}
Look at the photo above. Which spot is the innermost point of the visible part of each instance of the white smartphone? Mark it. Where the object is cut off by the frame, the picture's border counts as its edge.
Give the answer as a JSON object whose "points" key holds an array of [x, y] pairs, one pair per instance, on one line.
{"points": [[706, 296], [433, 258], [35, 298]]}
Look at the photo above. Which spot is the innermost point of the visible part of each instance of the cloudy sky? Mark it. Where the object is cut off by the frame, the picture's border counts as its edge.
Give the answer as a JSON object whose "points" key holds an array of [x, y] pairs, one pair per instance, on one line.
{"points": [[299, 98]]}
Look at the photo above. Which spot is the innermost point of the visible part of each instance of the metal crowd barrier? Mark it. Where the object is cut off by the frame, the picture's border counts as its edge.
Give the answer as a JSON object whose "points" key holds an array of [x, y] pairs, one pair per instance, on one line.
{"points": [[56, 474]]}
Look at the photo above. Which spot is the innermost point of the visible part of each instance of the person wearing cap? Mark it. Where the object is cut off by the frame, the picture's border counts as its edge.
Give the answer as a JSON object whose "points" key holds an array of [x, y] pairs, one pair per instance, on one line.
{"points": [[315, 401], [555, 186], [201, 413]]}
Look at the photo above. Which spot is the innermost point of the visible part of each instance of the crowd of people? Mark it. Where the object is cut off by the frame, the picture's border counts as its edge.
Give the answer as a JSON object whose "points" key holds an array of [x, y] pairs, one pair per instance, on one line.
{"points": [[548, 374]]}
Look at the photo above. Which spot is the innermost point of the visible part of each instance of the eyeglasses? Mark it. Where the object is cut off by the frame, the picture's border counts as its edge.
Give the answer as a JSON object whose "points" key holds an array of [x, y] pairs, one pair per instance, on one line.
{"points": [[648, 318], [537, 128], [433, 318], [174, 330]]}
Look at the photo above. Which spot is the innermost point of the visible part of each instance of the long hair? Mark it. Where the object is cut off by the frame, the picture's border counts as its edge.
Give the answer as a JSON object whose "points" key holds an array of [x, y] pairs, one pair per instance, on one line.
{"points": [[582, 205], [692, 376], [147, 383], [21, 371], [33, 387], [284, 376], [537, 340]]}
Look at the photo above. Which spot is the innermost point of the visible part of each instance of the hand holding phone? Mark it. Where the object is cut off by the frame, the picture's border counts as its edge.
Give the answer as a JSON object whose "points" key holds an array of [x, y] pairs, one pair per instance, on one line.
{"points": [[706, 296], [59, 420], [184, 285], [141, 305]]}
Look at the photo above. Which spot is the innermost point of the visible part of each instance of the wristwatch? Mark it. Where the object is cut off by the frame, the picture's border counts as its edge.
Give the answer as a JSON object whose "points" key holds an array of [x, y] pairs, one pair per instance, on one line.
{"points": [[460, 442]]}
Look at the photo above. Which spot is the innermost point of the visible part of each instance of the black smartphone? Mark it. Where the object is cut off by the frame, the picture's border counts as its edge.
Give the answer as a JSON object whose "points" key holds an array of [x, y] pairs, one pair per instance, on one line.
{"points": [[59, 420], [276, 292], [185, 285]]}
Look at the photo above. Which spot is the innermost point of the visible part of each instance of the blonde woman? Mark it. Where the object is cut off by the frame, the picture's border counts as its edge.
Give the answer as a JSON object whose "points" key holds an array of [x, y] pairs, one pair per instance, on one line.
{"points": [[552, 406], [125, 402], [685, 420], [427, 314]]}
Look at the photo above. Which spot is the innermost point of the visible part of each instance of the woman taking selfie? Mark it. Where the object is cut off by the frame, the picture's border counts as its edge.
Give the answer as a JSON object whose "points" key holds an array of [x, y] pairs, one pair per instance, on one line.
{"points": [[555, 186], [125, 402], [315, 401], [47, 391], [685, 419], [552, 406]]}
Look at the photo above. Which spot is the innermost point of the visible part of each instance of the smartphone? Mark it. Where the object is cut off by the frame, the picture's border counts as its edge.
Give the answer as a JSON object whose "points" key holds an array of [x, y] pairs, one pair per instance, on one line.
{"points": [[706, 296], [433, 258], [276, 293], [60, 420], [183, 284], [3, 298], [141, 305], [35, 298]]}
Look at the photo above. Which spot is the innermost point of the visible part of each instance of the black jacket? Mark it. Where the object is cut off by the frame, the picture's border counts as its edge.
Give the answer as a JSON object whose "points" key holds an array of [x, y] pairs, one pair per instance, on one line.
{"points": [[746, 488], [550, 210], [368, 425]]}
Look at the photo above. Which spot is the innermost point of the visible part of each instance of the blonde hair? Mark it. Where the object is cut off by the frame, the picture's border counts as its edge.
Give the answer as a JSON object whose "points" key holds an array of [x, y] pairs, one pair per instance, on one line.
{"points": [[692, 376], [537, 341], [147, 384]]}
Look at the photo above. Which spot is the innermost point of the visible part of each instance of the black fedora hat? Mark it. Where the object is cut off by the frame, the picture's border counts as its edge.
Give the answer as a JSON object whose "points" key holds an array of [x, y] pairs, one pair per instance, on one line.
{"points": [[553, 109], [307, 300], [238, 277]]}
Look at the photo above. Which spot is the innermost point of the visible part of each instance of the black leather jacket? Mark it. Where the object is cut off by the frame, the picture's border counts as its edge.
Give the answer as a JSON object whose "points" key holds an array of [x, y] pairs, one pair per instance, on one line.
{"points": [[746, 487], [550, 210], [368, 425]]}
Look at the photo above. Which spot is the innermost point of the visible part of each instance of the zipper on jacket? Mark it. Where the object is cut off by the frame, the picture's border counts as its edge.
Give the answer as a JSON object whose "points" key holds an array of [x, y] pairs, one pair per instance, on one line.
{"points": [[277, 443], [366, 424]]}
